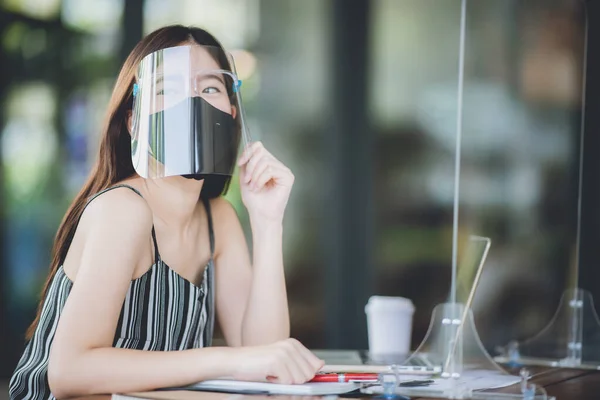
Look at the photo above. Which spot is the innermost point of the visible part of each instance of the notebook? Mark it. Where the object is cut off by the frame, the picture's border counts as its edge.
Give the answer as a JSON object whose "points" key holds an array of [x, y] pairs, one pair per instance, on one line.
{"points": [[173, 395], [310, 388], [242, 387]]}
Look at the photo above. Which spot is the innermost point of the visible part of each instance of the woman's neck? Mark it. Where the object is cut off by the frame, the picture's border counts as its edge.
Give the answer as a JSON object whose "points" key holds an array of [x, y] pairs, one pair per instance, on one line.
{"points": [[173, 200]]}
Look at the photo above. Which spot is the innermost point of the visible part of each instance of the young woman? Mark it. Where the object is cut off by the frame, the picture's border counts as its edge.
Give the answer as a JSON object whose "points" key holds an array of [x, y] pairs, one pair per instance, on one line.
{"points": [[149, 243]]}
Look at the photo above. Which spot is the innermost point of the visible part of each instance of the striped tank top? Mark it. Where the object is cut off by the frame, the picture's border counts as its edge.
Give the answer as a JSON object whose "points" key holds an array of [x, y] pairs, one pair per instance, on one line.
{"points": [[162, 311]]}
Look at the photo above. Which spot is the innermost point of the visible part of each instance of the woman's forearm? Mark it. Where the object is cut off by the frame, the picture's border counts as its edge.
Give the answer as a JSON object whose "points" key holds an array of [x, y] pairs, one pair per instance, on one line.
{"points": [[266, 319], [114, 370]]}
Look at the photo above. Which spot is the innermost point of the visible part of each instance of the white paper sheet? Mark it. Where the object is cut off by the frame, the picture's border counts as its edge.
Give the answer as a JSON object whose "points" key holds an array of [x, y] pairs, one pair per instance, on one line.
{"points": [[474, 380]]}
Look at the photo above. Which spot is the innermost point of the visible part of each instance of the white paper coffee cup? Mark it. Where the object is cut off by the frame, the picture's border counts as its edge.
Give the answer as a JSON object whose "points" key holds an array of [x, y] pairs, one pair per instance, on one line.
{"points": [[389, 322]]}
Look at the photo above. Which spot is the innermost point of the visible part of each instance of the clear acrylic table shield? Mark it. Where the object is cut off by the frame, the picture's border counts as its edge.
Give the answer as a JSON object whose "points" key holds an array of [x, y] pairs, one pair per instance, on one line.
{"points": [[570, 334], [188, 116], [512, 110], [452, 346]]}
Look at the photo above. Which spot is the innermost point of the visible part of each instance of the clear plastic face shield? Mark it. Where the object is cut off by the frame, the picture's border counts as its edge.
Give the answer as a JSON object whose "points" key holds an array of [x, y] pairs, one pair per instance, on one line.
{"points": [[187, 117]]}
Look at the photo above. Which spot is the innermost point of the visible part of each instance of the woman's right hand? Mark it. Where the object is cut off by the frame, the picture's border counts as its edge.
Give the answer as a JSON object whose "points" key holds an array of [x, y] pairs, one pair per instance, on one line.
{"points": [[286, 361]]}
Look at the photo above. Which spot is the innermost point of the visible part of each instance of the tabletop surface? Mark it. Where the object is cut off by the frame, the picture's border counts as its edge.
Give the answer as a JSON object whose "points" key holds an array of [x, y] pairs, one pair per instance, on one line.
{"points": [[562, 383]]}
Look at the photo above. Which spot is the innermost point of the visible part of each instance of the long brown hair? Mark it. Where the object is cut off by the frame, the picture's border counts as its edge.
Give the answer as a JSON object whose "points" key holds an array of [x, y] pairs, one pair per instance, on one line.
{"points": [[114, 158]]}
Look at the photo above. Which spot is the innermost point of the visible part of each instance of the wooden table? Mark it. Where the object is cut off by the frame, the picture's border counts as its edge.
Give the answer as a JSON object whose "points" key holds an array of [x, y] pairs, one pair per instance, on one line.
{"points": [[563, 384], [570, 384]]}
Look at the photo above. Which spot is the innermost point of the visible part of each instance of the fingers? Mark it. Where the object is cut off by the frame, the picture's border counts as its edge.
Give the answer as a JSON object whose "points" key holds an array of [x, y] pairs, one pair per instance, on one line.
{"points": [[301, 363], [256, 155], [255, 167], [313, 363], [295, 368], [286, 361], [259, 167], [269, 173], [277, 173], [293, 363], [281, 373], [249, 152], [305, 367]]}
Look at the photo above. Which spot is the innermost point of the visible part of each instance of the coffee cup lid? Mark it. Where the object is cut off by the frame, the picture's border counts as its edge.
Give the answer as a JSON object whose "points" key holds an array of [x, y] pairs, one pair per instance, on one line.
{"points": [[383, 302]]}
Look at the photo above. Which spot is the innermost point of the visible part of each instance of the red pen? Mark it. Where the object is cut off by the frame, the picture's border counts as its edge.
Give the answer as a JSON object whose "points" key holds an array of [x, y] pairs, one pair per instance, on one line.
{"points": [[351, 377]]}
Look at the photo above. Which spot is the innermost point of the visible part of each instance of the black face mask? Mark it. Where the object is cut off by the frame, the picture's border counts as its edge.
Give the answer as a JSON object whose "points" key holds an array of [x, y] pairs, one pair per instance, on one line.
{"points": [[211, 137]]}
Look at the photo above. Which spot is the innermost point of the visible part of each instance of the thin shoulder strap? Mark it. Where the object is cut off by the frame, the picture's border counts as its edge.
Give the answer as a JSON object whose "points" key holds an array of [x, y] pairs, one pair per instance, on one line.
{"points": [[210, 275], [211, 233], [111, 188], [156, 253]]}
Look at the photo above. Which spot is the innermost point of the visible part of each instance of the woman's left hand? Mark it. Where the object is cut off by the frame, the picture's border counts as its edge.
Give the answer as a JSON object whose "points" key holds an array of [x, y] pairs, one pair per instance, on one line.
{"points": [[265, 183]]}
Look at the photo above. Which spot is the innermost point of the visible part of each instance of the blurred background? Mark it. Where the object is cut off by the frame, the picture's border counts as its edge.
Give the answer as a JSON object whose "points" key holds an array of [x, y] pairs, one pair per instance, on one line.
{"points": [[359, 98]]}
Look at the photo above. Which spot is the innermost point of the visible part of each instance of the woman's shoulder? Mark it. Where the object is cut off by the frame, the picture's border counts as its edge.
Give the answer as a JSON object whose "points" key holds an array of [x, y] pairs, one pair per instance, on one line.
{"points": [[115, 223], [120, 208], [222, 211], [227, 226]]}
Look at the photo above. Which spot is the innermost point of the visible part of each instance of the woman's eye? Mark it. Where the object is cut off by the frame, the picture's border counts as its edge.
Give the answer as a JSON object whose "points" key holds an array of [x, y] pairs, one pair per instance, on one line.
{"points": [[210, 90]]}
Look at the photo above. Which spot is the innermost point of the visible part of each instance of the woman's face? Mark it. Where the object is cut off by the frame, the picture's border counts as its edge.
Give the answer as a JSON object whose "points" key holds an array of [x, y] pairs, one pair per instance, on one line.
{"points": [[168, 80], [190, 71]]}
